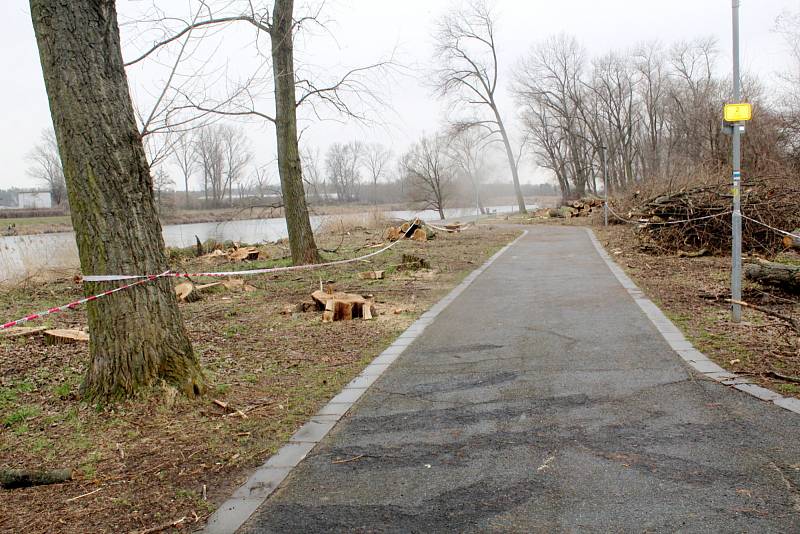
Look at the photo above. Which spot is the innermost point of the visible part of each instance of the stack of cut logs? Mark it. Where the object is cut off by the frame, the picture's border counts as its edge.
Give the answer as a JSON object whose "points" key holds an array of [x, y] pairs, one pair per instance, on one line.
{"points": [[576, 208], [415, 230]]}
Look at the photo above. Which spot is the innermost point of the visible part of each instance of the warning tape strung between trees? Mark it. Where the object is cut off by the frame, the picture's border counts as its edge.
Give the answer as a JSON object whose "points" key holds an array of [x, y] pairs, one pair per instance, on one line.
{"points": [[145, 278]]}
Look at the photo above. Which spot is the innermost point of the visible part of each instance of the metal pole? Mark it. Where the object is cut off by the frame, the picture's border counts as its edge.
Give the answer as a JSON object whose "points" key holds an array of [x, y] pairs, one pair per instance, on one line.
{"points": [[605, 185], [736, 255]]}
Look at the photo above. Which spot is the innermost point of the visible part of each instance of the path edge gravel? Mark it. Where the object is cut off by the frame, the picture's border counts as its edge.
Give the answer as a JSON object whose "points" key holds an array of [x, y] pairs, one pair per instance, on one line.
{"points": [[234, 512], [683, 347]]}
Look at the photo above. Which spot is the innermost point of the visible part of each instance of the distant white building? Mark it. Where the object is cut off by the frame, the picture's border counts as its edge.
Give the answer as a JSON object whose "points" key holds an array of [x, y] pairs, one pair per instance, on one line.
{"points": [[32, 200]]}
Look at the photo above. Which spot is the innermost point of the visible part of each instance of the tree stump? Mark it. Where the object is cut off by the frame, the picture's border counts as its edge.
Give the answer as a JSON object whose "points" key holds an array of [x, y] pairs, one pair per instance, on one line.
{"points": [[340, 306], [65, 336]]}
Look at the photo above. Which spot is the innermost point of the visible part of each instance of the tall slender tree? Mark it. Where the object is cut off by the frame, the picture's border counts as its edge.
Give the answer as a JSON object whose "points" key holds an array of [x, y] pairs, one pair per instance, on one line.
{"points": [[137, 336], [468, 73]]}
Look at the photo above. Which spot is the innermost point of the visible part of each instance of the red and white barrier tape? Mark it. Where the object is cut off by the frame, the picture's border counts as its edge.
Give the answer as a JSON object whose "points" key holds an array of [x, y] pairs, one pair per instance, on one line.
{"points": [[75, 304], [144, 278]]}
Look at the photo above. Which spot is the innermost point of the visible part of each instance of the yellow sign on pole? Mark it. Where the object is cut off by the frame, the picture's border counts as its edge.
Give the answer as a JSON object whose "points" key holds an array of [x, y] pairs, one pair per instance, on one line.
{"points": [[738, 112]]}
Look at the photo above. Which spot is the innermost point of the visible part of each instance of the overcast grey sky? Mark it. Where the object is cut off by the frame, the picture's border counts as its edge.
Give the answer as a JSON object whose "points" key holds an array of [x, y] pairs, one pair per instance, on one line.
{"points": [[366, 30]]}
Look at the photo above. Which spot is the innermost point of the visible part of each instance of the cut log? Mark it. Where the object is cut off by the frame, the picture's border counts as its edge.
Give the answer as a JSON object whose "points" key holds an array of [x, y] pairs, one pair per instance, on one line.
{"points": [[65, 336], [244, 253], [786, 277], [371, 275], [22, 331], [392, 234], [419, 235], [25, 478], [343, 306], [792, 242]]}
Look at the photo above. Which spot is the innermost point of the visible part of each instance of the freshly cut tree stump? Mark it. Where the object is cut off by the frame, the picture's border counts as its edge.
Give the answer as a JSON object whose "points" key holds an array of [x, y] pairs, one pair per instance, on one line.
{"points": [[66, 336], [244, 253], [185, 292], [189, 292], [339, 306], [786, 277], [24, 478]]}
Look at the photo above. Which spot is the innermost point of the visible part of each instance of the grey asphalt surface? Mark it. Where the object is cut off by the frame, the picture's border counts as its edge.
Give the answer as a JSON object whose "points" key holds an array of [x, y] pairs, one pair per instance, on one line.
{"points": [[544, 400]]}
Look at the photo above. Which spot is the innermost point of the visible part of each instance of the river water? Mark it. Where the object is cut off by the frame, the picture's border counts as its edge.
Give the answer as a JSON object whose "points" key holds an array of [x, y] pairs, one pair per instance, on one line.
{"points": [[23, 256]]}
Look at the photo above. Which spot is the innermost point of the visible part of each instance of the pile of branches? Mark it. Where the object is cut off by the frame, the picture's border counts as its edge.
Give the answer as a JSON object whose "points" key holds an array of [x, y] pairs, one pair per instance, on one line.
{"points": [[699, 218]]}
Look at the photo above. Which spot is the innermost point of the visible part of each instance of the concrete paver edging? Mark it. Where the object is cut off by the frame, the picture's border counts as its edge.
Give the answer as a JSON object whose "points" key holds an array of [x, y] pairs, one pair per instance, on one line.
{"points": [[673, 336], [234, 512]]}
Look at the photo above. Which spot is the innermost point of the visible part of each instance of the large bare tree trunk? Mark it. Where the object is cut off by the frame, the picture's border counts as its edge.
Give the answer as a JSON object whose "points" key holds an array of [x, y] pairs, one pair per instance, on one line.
{"points": [[301, 238], [137, 336]]}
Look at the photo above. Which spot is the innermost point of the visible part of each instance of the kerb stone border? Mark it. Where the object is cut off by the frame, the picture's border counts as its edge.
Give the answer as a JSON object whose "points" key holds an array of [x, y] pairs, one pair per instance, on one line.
{"points": [[233, 513], [673, 336]]}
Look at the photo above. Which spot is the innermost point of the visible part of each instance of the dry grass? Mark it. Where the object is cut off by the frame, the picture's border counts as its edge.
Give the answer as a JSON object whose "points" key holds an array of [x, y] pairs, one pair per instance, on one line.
{"points": [[149, 461]]}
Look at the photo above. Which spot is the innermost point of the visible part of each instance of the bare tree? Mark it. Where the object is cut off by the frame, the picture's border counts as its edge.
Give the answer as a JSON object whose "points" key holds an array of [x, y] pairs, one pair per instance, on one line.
{"points": [[46, 166], [237, 156], [468, 74], [343, 166], [185, 157], [429, 173], [260, 182], [653, 88], [210, 152], [376, 162], [312, 175], [551, 90], [162, 183], [281, 26], [137, 336], [466, 150]]}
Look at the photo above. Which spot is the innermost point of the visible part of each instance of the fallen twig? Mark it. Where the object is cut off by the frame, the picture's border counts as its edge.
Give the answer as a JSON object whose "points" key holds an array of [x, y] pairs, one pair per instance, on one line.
{"points": [[231, 409], [84, 495], [163, 527], [346, 460], [791, 320]]}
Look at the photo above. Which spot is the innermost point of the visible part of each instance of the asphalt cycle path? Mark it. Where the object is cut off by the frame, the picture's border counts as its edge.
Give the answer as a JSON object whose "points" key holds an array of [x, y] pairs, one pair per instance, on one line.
{"points": [[543, 399]]}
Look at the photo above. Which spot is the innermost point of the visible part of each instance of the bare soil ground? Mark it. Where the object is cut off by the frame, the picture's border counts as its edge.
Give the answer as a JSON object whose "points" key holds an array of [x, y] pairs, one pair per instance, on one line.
{"points": [[153, 461], [693, 292]]}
